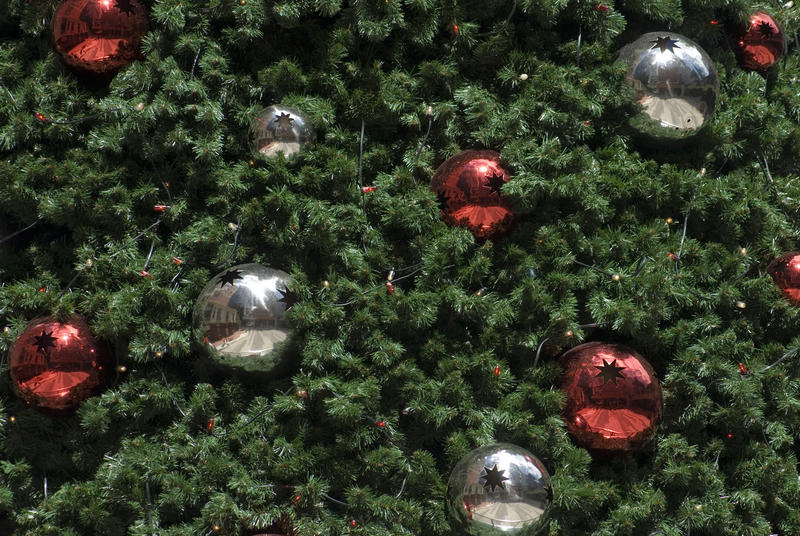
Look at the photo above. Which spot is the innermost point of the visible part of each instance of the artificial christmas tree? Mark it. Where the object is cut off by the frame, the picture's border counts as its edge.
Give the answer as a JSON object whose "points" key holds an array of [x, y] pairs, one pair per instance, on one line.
{"points": [[121, 200]]}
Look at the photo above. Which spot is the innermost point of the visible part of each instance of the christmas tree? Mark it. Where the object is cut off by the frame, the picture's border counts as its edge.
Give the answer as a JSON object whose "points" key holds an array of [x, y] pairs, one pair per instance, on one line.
{"points": [[123, 193]]}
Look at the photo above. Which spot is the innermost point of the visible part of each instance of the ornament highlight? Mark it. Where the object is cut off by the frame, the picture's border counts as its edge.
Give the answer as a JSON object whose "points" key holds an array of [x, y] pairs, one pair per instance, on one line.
{"points": [[240, 315], [760, 44], [497, 489], [785, 271], [57, 365], [280, 130], [614, 400], [674, 81], [99, 36], [469, 189]]}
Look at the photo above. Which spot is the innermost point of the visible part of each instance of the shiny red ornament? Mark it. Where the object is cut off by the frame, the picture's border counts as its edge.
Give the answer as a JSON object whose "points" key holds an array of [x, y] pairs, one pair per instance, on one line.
{"points": [[99, 36], [57, 365], [785, 271], [758, 45], [614, 400], [468, 186]]}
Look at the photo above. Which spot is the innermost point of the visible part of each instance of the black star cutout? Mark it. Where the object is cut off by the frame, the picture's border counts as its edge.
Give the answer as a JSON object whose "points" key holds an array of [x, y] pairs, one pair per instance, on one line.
{"points": [[609, 371], [443, 199], [765, 29], [494, 478], [284, 120], [45, 341], [288, 298], [665, 43], [229, 277], [124, 6], [494, 182]]}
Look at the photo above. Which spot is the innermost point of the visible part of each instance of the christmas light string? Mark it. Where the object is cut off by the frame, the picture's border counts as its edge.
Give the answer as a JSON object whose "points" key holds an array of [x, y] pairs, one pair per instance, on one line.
{"points": [[16, 233], [237, 228], [361, 161], [194, 64], [45, 120], [11, 95], [149, 507], [429, 113], [505, 23], [89, 263], [541, 344], [419, 267]]}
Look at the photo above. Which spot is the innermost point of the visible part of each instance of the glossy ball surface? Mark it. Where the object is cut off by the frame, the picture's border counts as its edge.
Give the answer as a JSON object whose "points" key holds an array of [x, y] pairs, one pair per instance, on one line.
{"points": [[99, 36], [57, 365], [760, 44], [614, 400], [785, 271], [240, 315], [280, 130], [675, 83], [468, 186], [497, 489]]}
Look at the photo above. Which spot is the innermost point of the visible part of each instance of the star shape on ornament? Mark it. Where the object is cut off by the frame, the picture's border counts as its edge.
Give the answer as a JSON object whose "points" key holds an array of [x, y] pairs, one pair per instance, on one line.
{"points": [[284, 120], [125, 6], [765, 28], [609, 371], [288, 298], [443, 200], [664, 44], [495, 182], [44, 342], [229, 277], [494, 478]]}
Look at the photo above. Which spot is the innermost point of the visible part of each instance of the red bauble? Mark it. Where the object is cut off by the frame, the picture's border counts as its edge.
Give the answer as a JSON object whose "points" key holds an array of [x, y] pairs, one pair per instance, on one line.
{"points": [[468, 187], [760, 44], [614, 400], [57, 365], [785, 271], [99, 36]]}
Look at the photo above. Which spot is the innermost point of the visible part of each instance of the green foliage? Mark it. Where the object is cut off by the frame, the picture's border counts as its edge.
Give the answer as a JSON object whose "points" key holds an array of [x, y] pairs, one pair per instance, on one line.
{"points": [[388, 391]]}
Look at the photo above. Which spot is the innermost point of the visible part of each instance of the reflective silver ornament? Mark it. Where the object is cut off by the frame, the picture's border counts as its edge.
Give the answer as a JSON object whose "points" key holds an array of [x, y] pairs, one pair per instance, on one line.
{"points": [[280, 129], [675, 83], [241, 316], [497, 489]]}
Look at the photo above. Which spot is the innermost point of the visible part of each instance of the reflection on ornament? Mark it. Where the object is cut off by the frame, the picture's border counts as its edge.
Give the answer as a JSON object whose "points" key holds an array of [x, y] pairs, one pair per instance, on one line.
{"points": [[614, 401], [99, 36], [468, 187], [280, 130], [675, 83], [240, 314], [785, 271], [497, 489], [760, 44], [57, 365]]}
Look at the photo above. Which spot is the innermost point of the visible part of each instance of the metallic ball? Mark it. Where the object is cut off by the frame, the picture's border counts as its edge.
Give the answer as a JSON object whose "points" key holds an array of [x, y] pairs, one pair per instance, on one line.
{"points": [[280, 129], [759, 44], [57, 365], [674, 81], [497, 489], [468, 186], [240, 315], [785, 271], [99, 36], [614, 400]]}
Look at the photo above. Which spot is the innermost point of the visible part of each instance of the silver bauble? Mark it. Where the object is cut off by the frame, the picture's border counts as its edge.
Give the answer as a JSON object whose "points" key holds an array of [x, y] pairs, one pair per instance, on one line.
{"points": [[280, 129], [674, 81], [497, 489], [240, 315]]}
